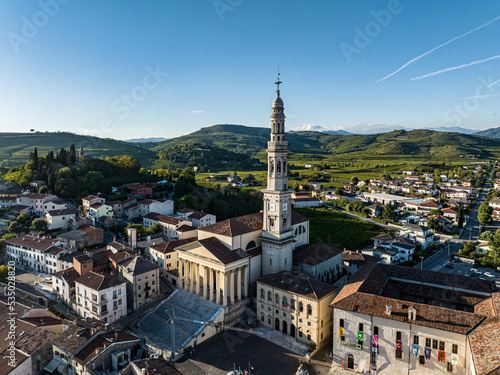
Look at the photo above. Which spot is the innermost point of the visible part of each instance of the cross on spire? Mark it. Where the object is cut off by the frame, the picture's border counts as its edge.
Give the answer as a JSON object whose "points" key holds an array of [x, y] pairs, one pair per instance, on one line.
{"points": [[277, 83]]}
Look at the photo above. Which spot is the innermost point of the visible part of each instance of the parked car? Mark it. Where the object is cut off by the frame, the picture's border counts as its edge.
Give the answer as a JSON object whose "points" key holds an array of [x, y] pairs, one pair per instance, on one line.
{"points": [[488, 274], [448, 265]]}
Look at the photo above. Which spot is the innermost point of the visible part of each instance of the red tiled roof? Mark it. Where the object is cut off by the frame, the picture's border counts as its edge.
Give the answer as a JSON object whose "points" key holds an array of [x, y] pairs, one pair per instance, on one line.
{"points": [[168, 247], [298, 283], [221, 251], [100, 342], [98, 281], [314, 254], [163, 218], [32, 242]]}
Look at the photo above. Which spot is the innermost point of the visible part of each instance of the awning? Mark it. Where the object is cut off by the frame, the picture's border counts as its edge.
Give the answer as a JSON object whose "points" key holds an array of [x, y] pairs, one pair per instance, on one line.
{"points": [[53, 365]]}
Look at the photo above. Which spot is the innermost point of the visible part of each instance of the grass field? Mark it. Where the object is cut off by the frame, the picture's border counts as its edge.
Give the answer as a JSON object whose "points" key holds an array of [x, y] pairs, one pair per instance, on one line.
{"points": [[338, 230]]}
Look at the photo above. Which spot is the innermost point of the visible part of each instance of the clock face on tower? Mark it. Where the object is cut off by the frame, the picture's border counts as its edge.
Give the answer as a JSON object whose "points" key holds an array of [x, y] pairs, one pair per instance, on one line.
{"points": [[272, 207], [285, 206]]}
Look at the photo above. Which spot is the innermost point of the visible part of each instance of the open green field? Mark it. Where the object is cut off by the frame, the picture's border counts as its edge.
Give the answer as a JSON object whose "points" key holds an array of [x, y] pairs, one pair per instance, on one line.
{"points": [[338, 230]]}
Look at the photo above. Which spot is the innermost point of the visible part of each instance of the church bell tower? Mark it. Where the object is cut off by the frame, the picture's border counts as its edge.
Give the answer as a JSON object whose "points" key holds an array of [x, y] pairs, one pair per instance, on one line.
{"points": [[277, 233]]}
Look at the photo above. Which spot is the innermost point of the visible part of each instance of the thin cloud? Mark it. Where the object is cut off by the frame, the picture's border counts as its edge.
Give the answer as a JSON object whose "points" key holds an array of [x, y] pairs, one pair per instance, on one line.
{"points": [[481, 96], [441, 45], [494, 83], [197, 112], [455, 68]]}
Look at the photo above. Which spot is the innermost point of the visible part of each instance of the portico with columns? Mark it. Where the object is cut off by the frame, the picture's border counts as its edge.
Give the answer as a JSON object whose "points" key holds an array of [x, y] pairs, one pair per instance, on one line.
{"points": [[213, 272]]}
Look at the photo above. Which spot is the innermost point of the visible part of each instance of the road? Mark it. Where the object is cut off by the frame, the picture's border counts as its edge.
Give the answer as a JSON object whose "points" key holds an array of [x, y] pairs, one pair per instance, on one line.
{"points": [[473, 227]]}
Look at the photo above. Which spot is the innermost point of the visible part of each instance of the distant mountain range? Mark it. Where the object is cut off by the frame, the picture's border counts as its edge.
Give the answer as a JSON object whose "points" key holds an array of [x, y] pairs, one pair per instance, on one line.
{"points": [[490, 133], [377, 129], [146, 140]]}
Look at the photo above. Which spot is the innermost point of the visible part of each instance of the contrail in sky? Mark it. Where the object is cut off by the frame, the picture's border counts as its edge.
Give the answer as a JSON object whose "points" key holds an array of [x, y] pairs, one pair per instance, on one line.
{"points": [[455, 68], [441, 45]]}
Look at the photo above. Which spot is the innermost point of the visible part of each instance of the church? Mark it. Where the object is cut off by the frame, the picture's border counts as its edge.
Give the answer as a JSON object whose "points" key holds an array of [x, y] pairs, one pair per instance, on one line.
{"points": [[224, 262]]}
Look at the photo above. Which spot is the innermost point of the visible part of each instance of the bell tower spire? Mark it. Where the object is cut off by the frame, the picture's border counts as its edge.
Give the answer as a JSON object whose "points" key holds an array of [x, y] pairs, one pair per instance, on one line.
{"points": [[277, 233]]}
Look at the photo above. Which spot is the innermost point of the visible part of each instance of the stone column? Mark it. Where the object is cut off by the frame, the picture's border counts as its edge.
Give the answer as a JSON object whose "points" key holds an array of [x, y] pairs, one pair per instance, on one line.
{"points": [[197, 278], [191, 276], [205, 274], [211, 280], [246, 279], [231, 286], [217, 290], [238, 285], [224, 289], [181, 273], [186, 274]]}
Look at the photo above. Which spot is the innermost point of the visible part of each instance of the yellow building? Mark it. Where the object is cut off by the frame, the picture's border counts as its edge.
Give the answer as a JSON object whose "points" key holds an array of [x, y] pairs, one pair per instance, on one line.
{"points": [[296, 305]]}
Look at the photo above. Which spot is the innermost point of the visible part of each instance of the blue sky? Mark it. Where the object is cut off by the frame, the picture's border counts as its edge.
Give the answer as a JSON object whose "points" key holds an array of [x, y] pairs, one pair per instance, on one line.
{"points": [[128, 69]]}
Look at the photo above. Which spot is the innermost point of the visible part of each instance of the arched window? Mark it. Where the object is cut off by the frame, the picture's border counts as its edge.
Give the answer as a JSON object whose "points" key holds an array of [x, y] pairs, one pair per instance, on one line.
{"points": [[277, 298], [309, 310], [301, 306], [270, 296], [271, 164], [285, 301], [278, 167], [262, 293], [284, 165], [293, 304], [251, 245]]}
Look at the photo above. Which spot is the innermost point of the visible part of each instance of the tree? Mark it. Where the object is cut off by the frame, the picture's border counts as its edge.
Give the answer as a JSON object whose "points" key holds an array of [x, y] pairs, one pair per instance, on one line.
{"points": [[495, 246], [43, 189], [435, 212], [39, 225], [434, 224], [339, 191], [155, 229], [388, 212], [354, 180], [460, 218], [35, 160], [468, 248], [72, 154], [484, 216]]}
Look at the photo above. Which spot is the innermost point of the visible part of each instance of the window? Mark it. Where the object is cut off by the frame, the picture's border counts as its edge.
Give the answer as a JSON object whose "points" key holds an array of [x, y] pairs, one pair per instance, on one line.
{"points": [[341, 324], [375, 330], [399, 354], [398, 335], [428, 342], [308, 323], [285, 301], [441, 346], [300, 333], [449, 367], [293, 304], [309, 310], [309, 337], [301, 306], [277, 298], [262, 318], [270, 296], [321, 324], [269, 321], [415, 339], [269, 308], [262, 293], [434, 344], [300, 320], [262, 306], [360, 327], [454, 349], [421, 360], [284, 314]]}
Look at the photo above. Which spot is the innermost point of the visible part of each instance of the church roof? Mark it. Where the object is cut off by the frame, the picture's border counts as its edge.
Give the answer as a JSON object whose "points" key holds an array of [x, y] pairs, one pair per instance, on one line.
{"points": [[221, 251], [314, 254], [245, 224]]}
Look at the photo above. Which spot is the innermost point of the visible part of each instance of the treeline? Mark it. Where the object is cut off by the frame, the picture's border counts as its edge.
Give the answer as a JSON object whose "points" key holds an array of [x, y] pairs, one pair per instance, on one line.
{"points": [[222, 200], [69, 177], [205, 157]]}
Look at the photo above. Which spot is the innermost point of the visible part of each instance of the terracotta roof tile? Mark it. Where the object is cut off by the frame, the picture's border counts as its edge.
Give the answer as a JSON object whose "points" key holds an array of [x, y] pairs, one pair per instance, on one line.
{"points": [[168, 247], [314, 254], [298, 283]]}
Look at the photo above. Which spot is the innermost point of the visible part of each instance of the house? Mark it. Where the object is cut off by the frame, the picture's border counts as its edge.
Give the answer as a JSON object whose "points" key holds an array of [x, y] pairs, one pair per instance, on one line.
{"points": [[170, 224], [37, 184], [89, 200], [59, 219], [398, 320], [143, 280], [164, 207], [494, 202], [199, 219], [385, 254], [375, 209], [35, 201], [139, 190], [322, 262], [450, 213], [58, 204], [305, 202], [419, 234], [100, 210], [297, 305]]}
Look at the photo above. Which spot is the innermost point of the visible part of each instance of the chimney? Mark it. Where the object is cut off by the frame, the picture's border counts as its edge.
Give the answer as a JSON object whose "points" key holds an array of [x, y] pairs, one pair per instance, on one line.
{"points": [[388, 309]]}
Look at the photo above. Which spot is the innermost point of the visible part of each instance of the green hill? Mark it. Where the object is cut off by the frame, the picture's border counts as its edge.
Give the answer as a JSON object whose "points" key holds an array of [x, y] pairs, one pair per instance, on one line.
{"points": [[16, 147], [425, 144], [490, 133]]}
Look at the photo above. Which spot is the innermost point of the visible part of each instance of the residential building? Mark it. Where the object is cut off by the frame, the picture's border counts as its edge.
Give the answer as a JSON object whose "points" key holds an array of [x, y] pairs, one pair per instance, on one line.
{"points": [[59, 219], [101, 297], [143, 280], [170, 224], [164, 207], [100, 210], [57, 204], [31, 252], [89, 200], [35, 201], [198, 218], [398, 320], [297, 305], [305, 202], [419, 234], [354, 260]]}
